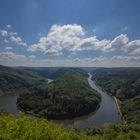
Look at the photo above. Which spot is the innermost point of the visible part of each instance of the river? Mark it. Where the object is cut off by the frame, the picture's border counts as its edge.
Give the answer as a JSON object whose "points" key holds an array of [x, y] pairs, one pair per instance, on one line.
{"points": [[8, 103], [107, 113]]}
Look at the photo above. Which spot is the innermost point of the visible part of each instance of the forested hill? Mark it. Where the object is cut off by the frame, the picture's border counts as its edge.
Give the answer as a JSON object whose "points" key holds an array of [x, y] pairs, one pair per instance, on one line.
{"points": [[60, 72], [68, 96], [14, 80], [51, 72], [124, 83], [21, 79]]}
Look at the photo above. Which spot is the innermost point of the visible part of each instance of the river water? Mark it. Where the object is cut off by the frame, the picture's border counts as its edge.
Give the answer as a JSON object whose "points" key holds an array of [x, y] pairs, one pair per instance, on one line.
{"points": [[8, 103], [107, 113]]}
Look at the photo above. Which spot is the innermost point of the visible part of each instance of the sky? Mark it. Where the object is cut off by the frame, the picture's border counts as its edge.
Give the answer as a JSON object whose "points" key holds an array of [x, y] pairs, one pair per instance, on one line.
{"points": [[71, 33]]}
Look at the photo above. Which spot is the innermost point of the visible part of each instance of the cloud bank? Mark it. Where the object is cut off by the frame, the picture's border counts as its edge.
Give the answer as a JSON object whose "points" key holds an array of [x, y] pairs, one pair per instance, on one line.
{"points": [[62, 45]]}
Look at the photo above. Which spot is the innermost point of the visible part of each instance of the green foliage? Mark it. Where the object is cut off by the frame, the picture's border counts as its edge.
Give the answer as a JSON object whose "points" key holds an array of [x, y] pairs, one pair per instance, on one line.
{"points": [[24, 128], [131, 110], [68, 96], [58, 73], [114, 132], [16, 80], [52, 72], [124, 83]]}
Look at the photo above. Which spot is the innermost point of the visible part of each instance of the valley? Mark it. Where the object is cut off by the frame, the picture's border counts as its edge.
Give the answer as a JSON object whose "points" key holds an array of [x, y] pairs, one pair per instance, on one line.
{"points": [[76, 98]]}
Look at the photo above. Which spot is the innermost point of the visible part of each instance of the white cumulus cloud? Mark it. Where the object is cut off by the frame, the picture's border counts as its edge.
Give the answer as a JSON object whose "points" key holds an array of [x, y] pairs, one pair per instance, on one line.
{"points": [[7, 48], [17, 40], [59, 38], [73, 38], [4, 33]]}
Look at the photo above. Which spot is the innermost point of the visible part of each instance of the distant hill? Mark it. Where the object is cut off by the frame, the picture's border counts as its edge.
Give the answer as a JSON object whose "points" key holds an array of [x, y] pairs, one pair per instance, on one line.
{"points": [[16, 80], [52, 72], [61, 71], [43, 71], [90, 69]]}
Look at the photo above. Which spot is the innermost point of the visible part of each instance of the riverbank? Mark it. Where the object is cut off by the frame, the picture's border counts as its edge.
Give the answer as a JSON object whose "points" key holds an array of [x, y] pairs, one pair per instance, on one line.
{"points": [[117, 101], [60, 117], [118, 105]]}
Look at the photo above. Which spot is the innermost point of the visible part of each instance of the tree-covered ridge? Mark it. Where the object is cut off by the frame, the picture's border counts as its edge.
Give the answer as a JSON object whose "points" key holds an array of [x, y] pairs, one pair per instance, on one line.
{"points": [[23, 128], [131, 110], [68, 96], [51, 72], [124, 83], [15, 80], [56, 74], [21, 79]]}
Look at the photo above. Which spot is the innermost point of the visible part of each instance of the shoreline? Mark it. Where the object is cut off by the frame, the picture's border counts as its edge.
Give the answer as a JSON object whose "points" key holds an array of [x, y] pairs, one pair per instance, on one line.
{"points": [[117, 105], [59, 117], [117, 102]]}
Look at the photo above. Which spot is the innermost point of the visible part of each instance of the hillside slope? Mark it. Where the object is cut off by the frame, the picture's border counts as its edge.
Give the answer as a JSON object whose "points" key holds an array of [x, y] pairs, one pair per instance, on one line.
{"points": [[14, 80]]}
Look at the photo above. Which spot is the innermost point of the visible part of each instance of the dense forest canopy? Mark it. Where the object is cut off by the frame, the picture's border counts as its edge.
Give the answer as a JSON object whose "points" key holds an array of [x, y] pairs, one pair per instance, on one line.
{"points": [[66, 97], [14, 80], [22, 79]]}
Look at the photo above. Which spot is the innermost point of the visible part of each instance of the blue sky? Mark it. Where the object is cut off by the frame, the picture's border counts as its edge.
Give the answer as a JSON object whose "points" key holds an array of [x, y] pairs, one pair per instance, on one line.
{"points": [[70, 33]]}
